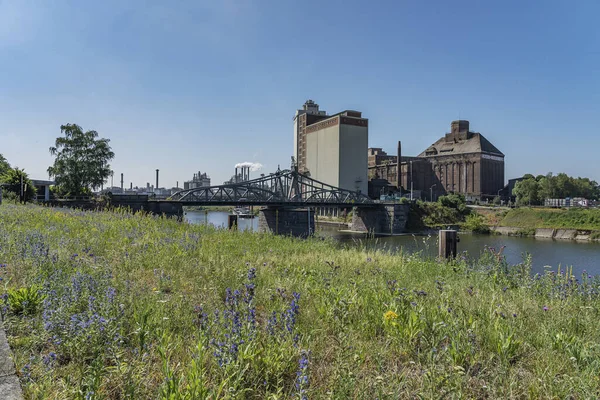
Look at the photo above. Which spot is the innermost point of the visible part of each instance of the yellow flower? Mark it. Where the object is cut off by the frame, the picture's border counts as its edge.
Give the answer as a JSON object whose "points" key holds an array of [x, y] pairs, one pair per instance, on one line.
{"points": [[390, 315]]}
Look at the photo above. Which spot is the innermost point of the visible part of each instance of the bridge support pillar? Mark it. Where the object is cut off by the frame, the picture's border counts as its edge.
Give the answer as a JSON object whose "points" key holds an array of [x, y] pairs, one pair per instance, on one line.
{"points": [[298, 222], [384, 219]]}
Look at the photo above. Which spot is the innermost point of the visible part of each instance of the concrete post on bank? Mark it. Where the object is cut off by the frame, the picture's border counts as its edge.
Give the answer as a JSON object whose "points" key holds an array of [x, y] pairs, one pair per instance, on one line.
{"points": [[448, 243], [232, 222]]}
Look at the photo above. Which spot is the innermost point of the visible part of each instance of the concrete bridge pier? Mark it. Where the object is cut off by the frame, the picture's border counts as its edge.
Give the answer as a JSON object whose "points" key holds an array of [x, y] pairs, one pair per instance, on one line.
{"points": [[298, 222], [383, 219]]}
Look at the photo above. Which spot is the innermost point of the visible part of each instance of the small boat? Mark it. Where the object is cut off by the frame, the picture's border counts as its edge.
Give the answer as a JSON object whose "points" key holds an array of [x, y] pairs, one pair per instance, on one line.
{"points": [[243, 212]]}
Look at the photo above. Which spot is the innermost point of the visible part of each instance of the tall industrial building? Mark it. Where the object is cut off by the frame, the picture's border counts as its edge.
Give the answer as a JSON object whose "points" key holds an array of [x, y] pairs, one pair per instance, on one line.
{"points": [[332, 148], [200, 179], [461, 161]]}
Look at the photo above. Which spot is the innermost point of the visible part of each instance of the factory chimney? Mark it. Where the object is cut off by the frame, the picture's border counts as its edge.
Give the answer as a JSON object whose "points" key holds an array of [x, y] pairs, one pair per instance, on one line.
{"points": [[157, 178], [399, 165], [130, 185], [121, 181]]}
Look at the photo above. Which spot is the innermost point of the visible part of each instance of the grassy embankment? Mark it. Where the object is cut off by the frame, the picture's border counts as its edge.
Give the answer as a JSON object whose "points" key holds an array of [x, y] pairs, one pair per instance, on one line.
{"points": [[530, 219], [113, 306]]}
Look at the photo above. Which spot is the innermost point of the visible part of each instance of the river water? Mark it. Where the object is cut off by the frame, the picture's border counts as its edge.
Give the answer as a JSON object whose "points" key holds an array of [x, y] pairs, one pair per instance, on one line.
{"points": [[546, 254]]}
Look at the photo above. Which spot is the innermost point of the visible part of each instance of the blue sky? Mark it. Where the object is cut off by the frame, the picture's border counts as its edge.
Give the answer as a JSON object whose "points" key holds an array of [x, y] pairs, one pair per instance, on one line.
{"points": [[202, 85]]}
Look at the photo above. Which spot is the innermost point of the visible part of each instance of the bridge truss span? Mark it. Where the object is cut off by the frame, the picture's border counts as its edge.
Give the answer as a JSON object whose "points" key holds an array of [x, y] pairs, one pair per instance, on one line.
{"points": [[287, 187]]}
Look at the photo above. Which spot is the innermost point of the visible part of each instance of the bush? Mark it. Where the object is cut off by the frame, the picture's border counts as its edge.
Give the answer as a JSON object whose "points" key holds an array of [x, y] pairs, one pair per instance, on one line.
{"points": [[26, 300], [456, 201], [10, 197], [476, 223]]}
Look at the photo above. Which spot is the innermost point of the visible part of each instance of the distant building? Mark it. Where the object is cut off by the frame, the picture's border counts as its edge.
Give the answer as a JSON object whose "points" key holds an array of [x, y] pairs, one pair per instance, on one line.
{"points": [[461, 161], [42, 189], [332, 148], [199, 180]]}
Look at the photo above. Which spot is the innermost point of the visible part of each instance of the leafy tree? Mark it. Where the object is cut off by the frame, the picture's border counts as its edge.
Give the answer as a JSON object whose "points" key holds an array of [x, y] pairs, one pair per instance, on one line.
{"points": [[561, 186], [82, 160], [4, 165], [527, 192], [12, 183], [456, 201]]}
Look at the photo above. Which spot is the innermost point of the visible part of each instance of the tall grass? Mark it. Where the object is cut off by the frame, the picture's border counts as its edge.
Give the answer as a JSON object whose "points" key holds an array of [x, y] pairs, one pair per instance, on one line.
{"points": [[133, 306], [574, 218]]}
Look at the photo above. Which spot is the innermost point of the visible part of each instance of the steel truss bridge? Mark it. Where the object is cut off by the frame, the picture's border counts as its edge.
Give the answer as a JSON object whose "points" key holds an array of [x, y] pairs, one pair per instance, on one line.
{"points": [[282, 188]]}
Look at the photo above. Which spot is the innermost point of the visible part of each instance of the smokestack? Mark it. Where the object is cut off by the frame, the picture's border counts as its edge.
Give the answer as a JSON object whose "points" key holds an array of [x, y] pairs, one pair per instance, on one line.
{"points": [[177, 184], [157, 178], [399, 163], [236, 179], [121, 181], [130, 185]]}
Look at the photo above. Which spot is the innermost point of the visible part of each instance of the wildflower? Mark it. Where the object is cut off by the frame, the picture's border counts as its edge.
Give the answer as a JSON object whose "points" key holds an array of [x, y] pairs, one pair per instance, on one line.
{"points": [[390, 315], [302, 382], [545, 308]]}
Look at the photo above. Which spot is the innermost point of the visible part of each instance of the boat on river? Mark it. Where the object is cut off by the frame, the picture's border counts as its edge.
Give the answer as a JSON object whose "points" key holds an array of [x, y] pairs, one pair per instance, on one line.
{"points": [[243, 212]]}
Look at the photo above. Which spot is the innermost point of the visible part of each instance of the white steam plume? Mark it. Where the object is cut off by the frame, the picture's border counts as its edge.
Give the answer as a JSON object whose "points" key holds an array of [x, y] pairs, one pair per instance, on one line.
{"points": [[253, 166]]}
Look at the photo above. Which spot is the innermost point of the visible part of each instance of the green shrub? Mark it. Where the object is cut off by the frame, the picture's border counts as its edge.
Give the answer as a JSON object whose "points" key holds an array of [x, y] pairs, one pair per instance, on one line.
{"points": [[10, 197], [476, 223], [25, 300], [456, 201]]}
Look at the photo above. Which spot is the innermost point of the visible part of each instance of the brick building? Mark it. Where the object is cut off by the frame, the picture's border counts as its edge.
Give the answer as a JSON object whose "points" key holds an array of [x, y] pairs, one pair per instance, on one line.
{"points": [[459, 162]]}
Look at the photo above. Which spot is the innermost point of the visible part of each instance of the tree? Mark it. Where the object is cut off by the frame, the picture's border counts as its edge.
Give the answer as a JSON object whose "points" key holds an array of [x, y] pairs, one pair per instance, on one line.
{"points": [[16, 180], [82, 161], [527, 192], [4, 165]]}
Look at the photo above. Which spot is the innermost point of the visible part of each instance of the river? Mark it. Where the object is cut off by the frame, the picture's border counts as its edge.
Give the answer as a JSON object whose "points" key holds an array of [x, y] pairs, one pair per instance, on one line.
{"points": [[547, 254]]}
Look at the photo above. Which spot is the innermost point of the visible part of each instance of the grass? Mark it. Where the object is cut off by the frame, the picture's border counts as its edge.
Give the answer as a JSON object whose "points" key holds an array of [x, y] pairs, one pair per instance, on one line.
{"points": [[114, 306], [574, 218]]}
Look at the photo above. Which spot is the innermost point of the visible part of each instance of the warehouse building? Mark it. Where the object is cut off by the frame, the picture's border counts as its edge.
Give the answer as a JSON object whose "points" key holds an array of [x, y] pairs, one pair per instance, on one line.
{"points": [[461, 161], [332, 148]]}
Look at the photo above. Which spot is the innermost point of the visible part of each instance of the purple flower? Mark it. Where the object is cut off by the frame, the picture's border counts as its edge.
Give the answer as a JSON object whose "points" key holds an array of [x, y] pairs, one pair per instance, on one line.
{"points": [[302, 382], [545, 308]]}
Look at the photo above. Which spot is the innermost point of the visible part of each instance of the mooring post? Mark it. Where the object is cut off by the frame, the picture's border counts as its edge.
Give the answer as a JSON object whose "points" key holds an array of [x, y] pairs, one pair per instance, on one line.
{"points": [[448, 243], [232, 221], [205, 217]]}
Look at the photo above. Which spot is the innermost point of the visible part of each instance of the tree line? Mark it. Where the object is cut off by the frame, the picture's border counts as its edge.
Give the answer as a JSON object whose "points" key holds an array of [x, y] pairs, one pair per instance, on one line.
{"points": [[81, 165], [533, 190]]}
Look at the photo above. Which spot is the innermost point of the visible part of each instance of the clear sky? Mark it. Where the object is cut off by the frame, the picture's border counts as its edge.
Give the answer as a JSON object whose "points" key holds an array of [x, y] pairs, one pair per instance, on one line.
{"points": [[202, 85]]}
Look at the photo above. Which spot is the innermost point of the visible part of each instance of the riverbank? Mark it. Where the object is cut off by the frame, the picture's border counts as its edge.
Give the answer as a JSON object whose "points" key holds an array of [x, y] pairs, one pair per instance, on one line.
{"points": [[113, 305], [564, 224]]}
